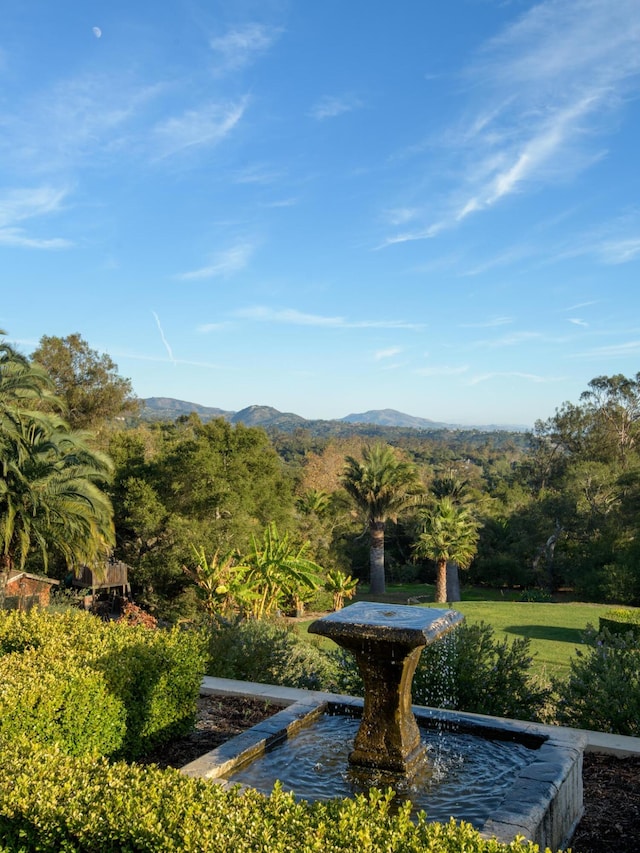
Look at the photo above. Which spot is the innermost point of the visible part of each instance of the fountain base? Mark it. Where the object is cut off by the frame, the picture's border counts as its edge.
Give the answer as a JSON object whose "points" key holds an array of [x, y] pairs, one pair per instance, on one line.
{"points": [[543, 801]]}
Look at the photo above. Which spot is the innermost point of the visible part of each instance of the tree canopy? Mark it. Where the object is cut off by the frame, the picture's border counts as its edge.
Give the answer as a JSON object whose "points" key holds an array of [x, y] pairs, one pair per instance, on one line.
{"points": [[86, 381]]}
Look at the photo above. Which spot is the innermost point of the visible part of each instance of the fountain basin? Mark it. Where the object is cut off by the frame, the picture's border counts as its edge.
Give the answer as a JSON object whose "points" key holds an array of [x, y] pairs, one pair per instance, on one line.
{"points": [[542, 802]]}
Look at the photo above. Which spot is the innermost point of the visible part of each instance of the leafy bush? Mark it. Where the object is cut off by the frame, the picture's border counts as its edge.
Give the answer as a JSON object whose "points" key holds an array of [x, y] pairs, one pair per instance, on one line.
{"points": [[154, 675], [264, 651], [157, 676], [469, 670], [58, 702], [50, 802], [603, 688]]}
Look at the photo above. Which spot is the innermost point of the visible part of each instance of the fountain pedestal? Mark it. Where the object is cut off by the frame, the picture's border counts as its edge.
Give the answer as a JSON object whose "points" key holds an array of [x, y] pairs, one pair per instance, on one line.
{"points": [[387, 642]]}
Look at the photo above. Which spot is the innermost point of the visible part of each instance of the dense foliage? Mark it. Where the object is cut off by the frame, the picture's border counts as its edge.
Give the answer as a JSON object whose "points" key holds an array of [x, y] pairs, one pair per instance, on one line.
{"points": [[93, 687], [50, 802], [272, 653], [86, 381], [52, 502], [603, 689], [553, 509]]}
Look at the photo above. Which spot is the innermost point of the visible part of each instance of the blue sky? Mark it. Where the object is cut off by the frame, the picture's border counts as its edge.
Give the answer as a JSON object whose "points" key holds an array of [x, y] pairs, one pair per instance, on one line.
{"points": [[328, 207]]}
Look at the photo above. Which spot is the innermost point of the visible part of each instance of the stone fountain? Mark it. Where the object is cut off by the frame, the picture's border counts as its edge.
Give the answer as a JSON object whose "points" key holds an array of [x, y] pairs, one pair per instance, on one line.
{"points": [[540, 799], [386, 642]]}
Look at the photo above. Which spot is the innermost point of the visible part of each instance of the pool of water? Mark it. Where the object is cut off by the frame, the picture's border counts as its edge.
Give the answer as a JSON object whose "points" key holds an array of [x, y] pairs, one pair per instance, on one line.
{"points": [[463, 775]]}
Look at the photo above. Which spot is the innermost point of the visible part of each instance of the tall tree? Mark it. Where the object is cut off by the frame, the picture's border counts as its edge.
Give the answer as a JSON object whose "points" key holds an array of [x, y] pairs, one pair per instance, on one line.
{"points": [[87, 381], [381, 485], [449, 535], [51, 500]]}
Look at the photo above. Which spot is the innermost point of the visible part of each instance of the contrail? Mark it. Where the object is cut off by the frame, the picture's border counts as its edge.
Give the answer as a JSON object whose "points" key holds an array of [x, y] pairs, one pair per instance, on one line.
{"points": [[164, 340]]}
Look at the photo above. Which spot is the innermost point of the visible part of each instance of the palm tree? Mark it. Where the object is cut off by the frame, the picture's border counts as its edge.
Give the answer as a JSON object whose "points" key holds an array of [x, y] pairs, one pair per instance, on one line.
{"points": [[381, 486], [23, 387], [51, 499], [449, 534]]}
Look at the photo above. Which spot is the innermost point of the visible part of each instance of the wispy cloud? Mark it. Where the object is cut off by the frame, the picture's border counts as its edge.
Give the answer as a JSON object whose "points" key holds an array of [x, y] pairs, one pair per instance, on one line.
{"points": [[583, 304], [511, 340], [547, 86], [577, 322], [206, 328], [205, 126], [293, 317], [16, 237], [391, 352], [240, 45], [20, 205], [487, 324], [617, 350], [620, 251], [442, 370], [224, 263], [528, 377], [331, 106], [83, 120], [612, 242]]}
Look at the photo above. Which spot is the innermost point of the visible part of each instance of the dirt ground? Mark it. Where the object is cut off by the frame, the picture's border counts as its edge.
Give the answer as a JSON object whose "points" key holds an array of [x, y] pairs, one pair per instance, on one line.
{"points": [[611, 822]]}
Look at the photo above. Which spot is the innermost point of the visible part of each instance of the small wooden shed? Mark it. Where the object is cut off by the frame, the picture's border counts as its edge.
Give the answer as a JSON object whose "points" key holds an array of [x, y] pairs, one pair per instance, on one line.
{"points": [[112, 579], [24, 590]]}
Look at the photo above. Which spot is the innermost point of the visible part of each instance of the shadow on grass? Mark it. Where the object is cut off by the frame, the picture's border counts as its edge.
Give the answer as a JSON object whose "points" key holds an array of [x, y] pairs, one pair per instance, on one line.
{"points": [[547, 632]]}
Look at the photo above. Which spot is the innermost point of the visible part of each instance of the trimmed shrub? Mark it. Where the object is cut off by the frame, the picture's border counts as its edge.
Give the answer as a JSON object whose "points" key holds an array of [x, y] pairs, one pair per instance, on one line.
{"points": [[58, 702], [157, 677], [602, 691], [264, 651], [50, 802], [154, 675]]}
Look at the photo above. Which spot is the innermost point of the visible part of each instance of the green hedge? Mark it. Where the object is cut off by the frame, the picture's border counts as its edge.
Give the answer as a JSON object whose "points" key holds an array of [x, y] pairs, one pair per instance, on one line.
{"points": [[53, 803], [153, 676], [61, 702], [621, 621]]}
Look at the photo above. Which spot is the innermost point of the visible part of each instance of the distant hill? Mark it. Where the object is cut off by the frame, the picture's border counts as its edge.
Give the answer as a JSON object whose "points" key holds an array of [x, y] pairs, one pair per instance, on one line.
{"points": [[390, 417], [266, 416], [167, 408]]}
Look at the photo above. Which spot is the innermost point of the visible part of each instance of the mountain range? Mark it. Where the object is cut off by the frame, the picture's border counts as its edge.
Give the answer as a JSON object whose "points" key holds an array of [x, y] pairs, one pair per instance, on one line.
{"points": [[168, 408]]}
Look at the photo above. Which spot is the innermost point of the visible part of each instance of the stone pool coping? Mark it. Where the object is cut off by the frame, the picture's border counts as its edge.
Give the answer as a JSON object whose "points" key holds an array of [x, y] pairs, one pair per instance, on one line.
{"points": [[544, 803]]}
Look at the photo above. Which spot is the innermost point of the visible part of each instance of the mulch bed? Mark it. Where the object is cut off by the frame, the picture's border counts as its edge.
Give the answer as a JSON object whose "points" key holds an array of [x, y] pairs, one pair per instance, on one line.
{"points": [[611, 821]]}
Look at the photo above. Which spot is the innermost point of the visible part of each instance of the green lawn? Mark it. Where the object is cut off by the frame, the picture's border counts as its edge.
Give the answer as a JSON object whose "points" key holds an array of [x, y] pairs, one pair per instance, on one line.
{"points": [[554, 629]]}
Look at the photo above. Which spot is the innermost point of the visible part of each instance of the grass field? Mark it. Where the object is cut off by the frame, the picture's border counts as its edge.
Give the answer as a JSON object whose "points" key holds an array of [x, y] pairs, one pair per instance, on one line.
{"points": [[554, 629]]}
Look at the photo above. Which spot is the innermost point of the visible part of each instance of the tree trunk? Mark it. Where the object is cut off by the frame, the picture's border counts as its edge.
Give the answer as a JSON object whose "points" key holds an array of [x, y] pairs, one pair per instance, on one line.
{"points": [[441, 582], [6, 564], [376, 558], [453, 582]]}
